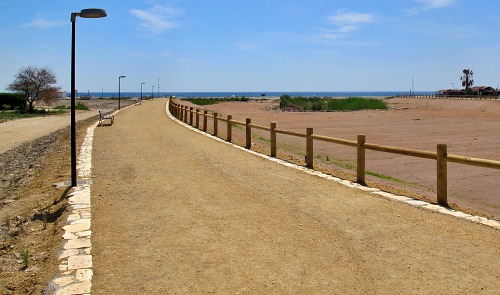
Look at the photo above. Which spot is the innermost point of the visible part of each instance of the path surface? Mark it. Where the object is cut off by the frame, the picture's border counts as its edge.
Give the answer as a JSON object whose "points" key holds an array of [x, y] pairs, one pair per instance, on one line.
{"points": [[175, 212], [17, 132]]}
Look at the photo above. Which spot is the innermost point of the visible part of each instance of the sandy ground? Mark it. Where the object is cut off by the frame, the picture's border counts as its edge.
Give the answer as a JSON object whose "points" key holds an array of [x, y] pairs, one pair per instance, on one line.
{"points": [[15, 132], [469, 128], [175, 212]]}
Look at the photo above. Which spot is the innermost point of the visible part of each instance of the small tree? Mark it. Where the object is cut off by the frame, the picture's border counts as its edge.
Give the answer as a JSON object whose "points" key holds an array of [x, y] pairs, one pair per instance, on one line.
{"points": [[36, 84]]}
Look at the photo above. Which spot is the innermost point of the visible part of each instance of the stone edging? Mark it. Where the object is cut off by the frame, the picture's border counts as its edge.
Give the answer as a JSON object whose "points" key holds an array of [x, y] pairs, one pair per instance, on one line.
{"points": [[75, 257], [413, 202]]}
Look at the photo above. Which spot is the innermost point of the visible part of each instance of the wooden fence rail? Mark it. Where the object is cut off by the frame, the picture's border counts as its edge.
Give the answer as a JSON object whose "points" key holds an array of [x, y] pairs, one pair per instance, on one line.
{"points": [[441, 155]]}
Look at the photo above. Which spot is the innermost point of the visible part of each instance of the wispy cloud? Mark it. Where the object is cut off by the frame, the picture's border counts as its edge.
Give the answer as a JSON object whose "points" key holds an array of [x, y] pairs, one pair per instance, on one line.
{"points": [[430, 5], [157, 19], [346, 22], [42, 23]]}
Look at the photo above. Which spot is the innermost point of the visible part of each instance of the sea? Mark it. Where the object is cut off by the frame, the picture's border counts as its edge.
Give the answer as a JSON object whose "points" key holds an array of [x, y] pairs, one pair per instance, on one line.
{"points": [[226, 94]]}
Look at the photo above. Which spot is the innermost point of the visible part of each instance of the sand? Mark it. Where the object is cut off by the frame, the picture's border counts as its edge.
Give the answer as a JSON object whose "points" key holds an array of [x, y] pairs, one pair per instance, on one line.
{"points": [[175, 212]]}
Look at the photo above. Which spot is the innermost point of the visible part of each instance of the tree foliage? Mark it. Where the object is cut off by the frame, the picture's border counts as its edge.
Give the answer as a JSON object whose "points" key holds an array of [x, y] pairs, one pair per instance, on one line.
{"points": [[467, 80], [35, 84]]}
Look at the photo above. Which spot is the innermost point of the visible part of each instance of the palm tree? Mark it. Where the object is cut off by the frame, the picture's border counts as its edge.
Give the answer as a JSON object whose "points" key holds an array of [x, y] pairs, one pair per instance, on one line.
{"points": [[467, 80]]}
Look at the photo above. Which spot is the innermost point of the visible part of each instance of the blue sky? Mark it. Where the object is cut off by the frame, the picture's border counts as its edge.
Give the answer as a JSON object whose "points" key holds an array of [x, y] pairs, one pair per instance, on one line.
{"points": [[260, 45]]}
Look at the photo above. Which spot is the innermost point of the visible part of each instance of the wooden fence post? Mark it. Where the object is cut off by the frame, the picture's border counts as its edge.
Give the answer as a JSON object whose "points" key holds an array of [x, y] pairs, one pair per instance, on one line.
{"points": [[191, 116], [273, 139], [185, 114], [248, 132], [229, 129], [215, 124], [442, 175], [205, 121], [309, 148], [361, 161], [197, 123]]}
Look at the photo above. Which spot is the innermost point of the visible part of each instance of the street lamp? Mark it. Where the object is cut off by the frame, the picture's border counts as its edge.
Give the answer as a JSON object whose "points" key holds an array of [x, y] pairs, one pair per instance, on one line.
{"points": [[158, 87], [141, 89], [85, 13], [412, 89], [152, 91], [119, 94]]}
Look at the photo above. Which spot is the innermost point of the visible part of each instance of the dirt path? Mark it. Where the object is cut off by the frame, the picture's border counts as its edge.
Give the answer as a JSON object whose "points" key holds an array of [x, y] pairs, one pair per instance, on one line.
{"points": [[16, 132], [175, 212]]}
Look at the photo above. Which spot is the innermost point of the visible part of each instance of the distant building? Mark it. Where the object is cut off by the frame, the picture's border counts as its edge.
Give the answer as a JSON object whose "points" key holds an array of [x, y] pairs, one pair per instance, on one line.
{"points": [[476, 90], [61, 93]]}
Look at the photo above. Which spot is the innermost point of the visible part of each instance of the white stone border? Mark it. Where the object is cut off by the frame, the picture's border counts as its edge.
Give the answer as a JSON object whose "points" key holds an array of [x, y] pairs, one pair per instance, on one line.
{"points": [[75, 257], [417, 203]]}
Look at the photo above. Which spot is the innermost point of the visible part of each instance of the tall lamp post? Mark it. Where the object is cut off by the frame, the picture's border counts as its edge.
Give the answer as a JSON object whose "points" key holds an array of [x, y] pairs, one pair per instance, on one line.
{"points": [[119, 91], [85, 13], [141, 89], [158, 87]]}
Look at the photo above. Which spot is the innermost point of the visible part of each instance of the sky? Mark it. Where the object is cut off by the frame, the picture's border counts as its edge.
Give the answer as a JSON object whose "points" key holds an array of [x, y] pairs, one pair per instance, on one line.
{"points": [[259, 45]]}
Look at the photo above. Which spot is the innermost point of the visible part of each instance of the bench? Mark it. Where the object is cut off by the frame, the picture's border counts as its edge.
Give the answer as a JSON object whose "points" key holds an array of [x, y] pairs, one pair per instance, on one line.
{"points": [[103, 117]]}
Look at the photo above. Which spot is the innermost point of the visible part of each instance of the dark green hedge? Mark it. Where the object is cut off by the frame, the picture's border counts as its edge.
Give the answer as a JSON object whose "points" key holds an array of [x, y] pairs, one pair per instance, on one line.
{"points": [[12, 101]]}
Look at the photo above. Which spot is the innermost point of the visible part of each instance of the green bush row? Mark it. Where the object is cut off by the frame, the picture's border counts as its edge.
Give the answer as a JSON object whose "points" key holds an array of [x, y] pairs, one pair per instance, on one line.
{"points": [[12, 101], [210, 101], [331, 104]]}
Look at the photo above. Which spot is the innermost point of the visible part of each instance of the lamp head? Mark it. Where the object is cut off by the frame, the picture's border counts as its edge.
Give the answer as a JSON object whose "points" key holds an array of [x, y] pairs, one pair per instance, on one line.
{"points": [[93, 13], [121, 77]]}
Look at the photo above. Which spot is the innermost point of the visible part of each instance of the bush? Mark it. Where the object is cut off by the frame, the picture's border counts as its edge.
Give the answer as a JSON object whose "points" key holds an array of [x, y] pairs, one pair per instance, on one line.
{"points": [[12, 101], [329, 104], [81, 106], [356, 104]]}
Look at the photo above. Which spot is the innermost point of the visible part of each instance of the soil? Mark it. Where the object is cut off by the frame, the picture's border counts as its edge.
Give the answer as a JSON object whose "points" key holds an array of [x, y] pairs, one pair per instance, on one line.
{"points": [[176, 212], [468, 127], [35, 154], [241, 250]]}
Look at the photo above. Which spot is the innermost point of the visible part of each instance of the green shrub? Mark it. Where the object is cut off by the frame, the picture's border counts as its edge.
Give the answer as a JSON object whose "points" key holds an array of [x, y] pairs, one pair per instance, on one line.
{"points": [[204, 101], [330, 104], [81, 106], [12, 101], [356, 104]]}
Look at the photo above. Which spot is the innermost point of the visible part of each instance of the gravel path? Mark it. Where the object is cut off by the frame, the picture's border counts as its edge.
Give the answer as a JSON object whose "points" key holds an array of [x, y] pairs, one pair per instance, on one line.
{"points": [[175, 212]]}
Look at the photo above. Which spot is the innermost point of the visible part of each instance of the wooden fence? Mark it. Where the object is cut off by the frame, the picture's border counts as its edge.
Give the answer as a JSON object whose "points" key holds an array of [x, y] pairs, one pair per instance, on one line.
{"points": [[446, 96], [192, 116]]}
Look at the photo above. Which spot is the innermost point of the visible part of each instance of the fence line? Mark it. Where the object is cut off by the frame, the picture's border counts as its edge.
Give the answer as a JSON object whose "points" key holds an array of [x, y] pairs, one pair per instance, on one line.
{"points": [[441, 155], [449, 96]]}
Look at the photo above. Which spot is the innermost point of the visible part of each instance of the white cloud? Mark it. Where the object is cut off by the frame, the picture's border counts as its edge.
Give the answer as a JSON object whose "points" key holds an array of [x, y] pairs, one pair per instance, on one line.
{"points": [[430, 5], [44, 24], [346, 22], [156, 20], [350, 18], [433, 4]]}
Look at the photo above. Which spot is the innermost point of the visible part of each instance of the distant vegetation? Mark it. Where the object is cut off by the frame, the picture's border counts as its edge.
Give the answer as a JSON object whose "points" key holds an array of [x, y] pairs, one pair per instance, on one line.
{"points": [[210, 101], [331, 104], [12, 101], [81, 106], [13, 106]]}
